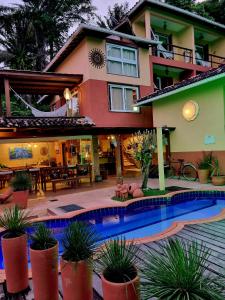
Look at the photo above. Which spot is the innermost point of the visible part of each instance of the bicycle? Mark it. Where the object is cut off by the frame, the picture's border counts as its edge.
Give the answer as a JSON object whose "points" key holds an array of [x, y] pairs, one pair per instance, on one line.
{"points": [[186, 170]]}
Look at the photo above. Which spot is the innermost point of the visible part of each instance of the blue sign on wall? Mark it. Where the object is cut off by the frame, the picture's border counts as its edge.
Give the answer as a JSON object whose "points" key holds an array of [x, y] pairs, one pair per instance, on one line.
{"points": [[209, 139]]}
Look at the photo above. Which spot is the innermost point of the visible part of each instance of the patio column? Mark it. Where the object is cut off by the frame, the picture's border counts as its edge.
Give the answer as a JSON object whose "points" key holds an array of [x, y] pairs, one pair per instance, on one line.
{"points": [[96, 168], [118, 156], [1, 108], [160, 158], [7, 98]]}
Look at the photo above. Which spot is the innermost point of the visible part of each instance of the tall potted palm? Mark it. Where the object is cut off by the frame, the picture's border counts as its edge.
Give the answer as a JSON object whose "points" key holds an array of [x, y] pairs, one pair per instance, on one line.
{"points": [[217, 178], [79, 245], [180, 272], [44, 263], [21, 184], [117, 263], [14, 249], [204, 166]]}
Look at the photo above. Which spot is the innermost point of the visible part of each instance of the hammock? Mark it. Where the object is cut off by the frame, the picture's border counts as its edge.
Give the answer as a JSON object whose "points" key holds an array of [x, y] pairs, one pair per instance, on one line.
{"points": [[60, 112]]}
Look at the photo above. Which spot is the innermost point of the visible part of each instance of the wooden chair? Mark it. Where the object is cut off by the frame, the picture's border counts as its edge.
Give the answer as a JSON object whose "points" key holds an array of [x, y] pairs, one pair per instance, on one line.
{"points": [[84, 172]]}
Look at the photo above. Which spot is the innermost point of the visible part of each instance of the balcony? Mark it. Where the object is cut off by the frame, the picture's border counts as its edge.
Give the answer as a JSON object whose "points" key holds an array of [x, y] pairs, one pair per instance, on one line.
{"points": [[173, 52], [212, 61]]}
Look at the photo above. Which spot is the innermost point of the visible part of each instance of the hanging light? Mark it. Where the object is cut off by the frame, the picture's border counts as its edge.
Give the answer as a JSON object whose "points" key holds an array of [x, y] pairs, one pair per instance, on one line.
{"points": [[67, 94], [190, 110]]}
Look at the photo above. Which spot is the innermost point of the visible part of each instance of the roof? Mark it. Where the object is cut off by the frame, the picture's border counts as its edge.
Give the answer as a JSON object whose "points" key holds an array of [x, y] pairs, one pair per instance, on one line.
{"points": [[202, 78], [140, 5], [84, 30], [41, 83], [32, 122]]}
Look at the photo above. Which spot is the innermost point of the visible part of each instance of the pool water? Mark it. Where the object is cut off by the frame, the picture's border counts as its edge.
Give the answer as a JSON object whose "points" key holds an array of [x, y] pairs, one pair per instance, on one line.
{"points": [[141, 220]]}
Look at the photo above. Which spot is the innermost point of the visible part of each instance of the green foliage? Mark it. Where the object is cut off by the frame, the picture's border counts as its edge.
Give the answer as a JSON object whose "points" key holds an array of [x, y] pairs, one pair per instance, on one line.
{"points": [[114, 15], [32, 32], [215, 167], [21, 182], [42, 238], [180, 272], [143, 145], [117, 260], [184, 4], [79, 242], [14, 221], [206, 162]]}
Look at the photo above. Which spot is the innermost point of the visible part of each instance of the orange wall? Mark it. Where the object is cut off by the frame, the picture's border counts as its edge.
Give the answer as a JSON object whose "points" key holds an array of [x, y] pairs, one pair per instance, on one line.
{"points": [[94, 102]]}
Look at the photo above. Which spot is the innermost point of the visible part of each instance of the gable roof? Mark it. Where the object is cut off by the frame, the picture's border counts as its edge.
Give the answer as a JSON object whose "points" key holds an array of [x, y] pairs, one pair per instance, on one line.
{"points": [[140, 5], [211, 75], [89, 30]]}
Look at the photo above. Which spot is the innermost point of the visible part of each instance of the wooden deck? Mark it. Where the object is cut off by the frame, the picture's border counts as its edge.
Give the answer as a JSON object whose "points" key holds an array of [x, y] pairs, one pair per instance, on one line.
{"points": [[211, 234]]}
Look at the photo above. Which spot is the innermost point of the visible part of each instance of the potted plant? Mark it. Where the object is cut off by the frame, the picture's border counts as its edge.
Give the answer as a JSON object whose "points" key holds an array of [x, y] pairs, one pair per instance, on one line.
{"points": [[14, 249], [180, 271], [116, 262], [216, 177], [44, 263], [79, 245], [21, 184], [204, 166]]}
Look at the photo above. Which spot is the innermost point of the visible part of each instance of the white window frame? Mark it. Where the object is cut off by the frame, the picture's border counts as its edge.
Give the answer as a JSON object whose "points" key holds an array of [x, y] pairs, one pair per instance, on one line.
{"points": [[123, 87], [122, 60]]}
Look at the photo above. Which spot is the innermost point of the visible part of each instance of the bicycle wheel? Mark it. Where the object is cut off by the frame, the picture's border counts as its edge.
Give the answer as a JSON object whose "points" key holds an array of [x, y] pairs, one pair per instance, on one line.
{"points": [[171, 172], [189, 172]]}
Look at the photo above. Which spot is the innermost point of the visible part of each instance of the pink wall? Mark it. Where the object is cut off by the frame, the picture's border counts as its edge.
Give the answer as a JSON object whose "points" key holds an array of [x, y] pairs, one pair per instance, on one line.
{"points": [[94, 102]]}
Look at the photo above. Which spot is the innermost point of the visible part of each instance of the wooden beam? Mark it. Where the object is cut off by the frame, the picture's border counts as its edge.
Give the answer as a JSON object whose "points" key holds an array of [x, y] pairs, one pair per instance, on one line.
{"points": [[7, 98]]}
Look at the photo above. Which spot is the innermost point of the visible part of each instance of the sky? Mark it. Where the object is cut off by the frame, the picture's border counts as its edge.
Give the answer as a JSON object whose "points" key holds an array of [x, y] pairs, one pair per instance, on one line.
{"points": [[101, 5]]}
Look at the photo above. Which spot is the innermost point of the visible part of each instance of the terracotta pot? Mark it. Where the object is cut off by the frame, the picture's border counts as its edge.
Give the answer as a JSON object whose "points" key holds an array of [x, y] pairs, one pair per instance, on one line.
{"points": [[203, 175], [76, 280], [44, 266], [120, 291], [218, 180], [20, 198], [15, 262]]}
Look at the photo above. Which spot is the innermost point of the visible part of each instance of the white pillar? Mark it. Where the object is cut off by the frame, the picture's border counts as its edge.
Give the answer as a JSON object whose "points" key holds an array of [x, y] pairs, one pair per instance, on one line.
{"points": [[160, 159], [118, 156]]}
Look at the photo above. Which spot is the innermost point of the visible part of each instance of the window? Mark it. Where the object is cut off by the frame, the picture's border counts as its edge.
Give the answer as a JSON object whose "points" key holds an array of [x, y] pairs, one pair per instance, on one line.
{"points": [[122, 60], [122, 98]]}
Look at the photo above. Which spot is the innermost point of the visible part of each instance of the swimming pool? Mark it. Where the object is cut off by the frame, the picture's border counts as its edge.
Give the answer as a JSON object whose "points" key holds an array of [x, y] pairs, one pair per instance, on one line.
{"points": [[144, 218]]}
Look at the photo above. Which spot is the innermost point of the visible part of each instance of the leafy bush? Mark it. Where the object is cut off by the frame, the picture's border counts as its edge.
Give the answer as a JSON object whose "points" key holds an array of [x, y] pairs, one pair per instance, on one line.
{"points": [[42, 238], [215, 167], [14, 221], [117, 261], [21, 182], [206, 161], [79, 242], [180, 272]]}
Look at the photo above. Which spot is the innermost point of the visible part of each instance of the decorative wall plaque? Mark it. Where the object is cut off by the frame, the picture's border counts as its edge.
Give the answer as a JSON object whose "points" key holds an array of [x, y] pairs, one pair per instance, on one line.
{"points": [[97, 58]]}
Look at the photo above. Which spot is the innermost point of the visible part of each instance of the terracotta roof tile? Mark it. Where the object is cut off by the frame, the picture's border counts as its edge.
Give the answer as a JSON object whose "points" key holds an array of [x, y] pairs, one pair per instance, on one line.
{"points": [[32, 122]]}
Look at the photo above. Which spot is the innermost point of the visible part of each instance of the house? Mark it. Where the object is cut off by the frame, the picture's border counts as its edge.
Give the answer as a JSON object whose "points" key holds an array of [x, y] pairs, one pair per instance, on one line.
{"points": [[101, 74]]}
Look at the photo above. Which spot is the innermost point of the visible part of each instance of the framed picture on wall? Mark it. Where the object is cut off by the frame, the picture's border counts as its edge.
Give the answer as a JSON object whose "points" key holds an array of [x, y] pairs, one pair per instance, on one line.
{"points": [[20, 153]]}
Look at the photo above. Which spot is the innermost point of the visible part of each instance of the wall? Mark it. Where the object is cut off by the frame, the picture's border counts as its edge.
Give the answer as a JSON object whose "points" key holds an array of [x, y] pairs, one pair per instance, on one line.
{"points": [[189, 136], [94, 102], [37, 156]]}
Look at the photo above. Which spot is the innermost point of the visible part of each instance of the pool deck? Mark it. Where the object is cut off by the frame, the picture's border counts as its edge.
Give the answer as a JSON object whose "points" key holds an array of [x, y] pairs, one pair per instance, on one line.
{"points": [[210, 233]]}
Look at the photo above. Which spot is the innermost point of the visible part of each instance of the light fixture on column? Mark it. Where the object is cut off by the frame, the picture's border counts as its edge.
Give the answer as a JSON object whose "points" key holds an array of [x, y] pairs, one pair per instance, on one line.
{"points": [[67, 94]]}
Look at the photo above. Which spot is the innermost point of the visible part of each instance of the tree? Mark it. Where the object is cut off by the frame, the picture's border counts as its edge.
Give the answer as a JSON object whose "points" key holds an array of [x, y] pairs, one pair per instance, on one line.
{"points": [[143, 145], [114, 15], [31, 33], [185, 4], [215, 9]]}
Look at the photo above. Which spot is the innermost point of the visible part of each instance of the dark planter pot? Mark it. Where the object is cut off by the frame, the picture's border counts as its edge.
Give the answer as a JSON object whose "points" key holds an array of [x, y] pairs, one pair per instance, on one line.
{"points": [[16, 263], [44, 265], [121, 291], [76, 280], [20, 198]]}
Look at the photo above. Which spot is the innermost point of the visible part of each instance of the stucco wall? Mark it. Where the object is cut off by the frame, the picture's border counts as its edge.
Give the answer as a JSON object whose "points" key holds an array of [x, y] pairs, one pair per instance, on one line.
{"points": [[190, 136]]}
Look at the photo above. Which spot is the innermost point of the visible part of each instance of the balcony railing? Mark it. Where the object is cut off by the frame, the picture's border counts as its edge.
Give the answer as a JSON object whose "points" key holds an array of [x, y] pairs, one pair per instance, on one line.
{"points": [[173, 52], [212, 61]]}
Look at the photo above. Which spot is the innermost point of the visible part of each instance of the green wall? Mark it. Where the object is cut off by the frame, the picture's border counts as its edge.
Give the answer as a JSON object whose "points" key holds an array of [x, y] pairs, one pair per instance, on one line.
{"points": [[190, 136]]}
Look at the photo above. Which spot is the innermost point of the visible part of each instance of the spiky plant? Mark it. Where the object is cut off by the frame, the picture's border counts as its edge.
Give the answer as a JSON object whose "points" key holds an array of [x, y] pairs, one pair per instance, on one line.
{"points": [[42, 238], [79, 242], [14, 221], [117, 261], [180, 272]]}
